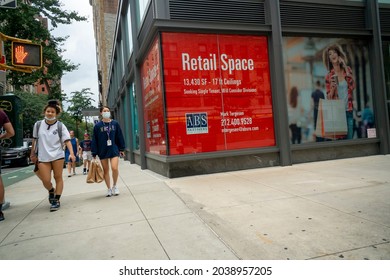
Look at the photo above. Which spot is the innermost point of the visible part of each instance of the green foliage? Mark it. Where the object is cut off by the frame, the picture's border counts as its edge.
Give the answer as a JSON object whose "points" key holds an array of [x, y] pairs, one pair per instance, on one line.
{"points": [[32, 108], [23, 23], [79, 100], [33, 105]]}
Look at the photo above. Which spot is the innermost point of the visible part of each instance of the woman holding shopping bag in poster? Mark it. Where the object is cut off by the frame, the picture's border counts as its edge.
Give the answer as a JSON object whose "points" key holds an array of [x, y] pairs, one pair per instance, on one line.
{"points": [[339, 82]]}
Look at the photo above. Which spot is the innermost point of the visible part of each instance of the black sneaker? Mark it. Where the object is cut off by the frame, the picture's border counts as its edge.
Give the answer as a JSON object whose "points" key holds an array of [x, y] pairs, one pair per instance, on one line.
{"points": [[52, 196], [55, 205], [1, 216]]}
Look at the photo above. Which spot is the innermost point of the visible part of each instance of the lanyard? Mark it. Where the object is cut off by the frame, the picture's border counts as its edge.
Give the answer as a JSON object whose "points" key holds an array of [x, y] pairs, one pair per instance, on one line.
{"points": [[108, 131]]}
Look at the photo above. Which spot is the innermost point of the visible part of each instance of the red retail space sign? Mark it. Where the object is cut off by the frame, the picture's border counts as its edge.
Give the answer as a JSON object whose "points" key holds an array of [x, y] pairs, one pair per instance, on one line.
{"points": [[217, 92]]}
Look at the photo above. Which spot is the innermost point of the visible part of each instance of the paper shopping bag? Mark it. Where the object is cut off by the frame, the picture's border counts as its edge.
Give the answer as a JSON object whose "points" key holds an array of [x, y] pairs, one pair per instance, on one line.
{"points": [[99, 174], [332, 119], [91, 172], [95, 173]]}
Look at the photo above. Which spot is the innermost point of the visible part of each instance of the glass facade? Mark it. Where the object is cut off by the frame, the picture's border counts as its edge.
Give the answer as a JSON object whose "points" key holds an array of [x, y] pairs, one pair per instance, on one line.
{"points": [[152, 93], [134, 116], [142, 8], [220, 92], [126, 118], [386, 59], [128, 32]]}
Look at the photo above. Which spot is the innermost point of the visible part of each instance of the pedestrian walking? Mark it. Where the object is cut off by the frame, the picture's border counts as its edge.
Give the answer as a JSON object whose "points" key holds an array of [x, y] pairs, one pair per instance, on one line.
{"points": [[85, 150], [71, 165], [7, 132], [108, 144], [47, 151]]}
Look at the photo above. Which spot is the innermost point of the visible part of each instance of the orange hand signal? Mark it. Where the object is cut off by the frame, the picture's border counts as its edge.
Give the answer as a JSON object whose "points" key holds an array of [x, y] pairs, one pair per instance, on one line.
{"points": [[20, 55]]}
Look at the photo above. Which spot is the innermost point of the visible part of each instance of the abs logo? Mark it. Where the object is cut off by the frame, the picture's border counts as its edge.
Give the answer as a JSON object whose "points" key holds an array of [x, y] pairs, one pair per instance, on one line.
{"points": [[197, 123]]}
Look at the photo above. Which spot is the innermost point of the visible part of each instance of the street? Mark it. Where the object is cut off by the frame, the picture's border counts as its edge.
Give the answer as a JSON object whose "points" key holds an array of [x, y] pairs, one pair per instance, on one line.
{"points": [[12, 175]]}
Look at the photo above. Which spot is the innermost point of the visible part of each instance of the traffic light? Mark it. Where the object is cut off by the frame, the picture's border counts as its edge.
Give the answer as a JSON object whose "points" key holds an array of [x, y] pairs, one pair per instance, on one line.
{"points": [[26, 55]]}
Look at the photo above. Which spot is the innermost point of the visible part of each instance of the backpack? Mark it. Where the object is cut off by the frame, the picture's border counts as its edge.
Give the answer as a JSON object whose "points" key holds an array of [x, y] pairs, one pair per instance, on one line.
{"points": [[59, 126]]}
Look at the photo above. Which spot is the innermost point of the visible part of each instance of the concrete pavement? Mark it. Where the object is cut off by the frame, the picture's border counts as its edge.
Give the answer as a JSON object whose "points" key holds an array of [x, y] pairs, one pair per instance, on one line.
{"points": [[336, 209]]}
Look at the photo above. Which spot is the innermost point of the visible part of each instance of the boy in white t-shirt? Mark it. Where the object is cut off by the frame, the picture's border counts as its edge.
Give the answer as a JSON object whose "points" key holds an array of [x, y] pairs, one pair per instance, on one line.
{"points": [[85, 151]]}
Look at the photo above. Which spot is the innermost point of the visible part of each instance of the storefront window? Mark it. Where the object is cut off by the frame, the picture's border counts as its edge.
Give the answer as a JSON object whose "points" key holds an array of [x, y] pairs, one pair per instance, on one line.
{"points": [[153, 102], [217, 92], [386, 59], [134, 111], [329, 89]]}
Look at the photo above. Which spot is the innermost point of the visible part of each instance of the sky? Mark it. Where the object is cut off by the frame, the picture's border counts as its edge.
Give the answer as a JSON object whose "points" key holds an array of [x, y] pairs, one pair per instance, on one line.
{"points": [[80, 49]]}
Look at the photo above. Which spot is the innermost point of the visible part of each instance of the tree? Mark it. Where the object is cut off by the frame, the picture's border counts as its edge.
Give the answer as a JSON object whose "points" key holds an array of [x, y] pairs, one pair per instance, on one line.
{"points": [[78, 101], [27, 22]]}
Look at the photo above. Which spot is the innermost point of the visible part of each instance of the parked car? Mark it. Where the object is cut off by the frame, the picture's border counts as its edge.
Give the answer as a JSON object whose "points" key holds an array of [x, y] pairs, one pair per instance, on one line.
{"points": [[18, 156]]}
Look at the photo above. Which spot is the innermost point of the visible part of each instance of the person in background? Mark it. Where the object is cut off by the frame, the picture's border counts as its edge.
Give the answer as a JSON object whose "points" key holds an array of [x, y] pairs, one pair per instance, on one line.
{"points": [[47, 151], [72, 164], [8, 132], [367, 119], [295, 112], [339, 81], [108, 143], [316, 95], [85, 151]]}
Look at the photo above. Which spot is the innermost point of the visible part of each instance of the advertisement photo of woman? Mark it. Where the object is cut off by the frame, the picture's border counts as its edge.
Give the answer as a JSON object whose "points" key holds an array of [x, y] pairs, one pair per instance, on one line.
{"points": [[339, 82]]}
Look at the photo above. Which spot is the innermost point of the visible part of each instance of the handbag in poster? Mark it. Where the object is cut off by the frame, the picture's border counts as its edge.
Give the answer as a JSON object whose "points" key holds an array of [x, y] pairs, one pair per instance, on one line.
{"points": [[332, 119]]}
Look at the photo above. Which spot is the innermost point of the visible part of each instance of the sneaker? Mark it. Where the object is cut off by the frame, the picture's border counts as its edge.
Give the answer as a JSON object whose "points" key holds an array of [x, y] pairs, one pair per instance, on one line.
{"points": [[109, 192], [74, 173], [52, 196], [84, 172], [1, 216], [115, 190], [69, 175], [55, 205]]}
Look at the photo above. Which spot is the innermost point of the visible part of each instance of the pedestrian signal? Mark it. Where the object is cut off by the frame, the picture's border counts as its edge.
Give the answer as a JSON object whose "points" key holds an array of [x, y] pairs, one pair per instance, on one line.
{"points": [[26, 55]]}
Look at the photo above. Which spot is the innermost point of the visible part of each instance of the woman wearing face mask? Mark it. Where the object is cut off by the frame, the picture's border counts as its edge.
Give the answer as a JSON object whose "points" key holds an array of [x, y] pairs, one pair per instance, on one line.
{"points": [[108, 144], [47, 152]]}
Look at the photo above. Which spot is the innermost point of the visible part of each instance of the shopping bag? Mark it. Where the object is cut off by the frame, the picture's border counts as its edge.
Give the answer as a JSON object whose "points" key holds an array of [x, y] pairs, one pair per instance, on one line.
{"points": [[99, 174], [91, 172], [95, 173], [332, 119]]}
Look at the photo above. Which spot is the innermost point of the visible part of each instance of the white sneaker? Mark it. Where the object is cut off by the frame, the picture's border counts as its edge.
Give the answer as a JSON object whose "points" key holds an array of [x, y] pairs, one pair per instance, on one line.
{"points": [[115, 190], [109, 192]]}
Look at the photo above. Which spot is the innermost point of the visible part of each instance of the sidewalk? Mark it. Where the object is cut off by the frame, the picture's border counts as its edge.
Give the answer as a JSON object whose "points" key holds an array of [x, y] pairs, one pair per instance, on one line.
{"points": [[324, 210]]}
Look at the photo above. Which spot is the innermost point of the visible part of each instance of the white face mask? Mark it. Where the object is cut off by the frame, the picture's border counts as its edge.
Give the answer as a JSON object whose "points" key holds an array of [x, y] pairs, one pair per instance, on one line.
{"points": [[106, 115], [50, 119]]}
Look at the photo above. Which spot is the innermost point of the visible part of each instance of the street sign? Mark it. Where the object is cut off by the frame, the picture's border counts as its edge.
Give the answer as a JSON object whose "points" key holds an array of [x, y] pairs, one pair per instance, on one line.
{"points": [[7, 3]]}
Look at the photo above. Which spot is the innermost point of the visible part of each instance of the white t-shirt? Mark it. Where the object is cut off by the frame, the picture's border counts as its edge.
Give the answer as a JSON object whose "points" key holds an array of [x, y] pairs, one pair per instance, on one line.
{"points": [[49, 142]]}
